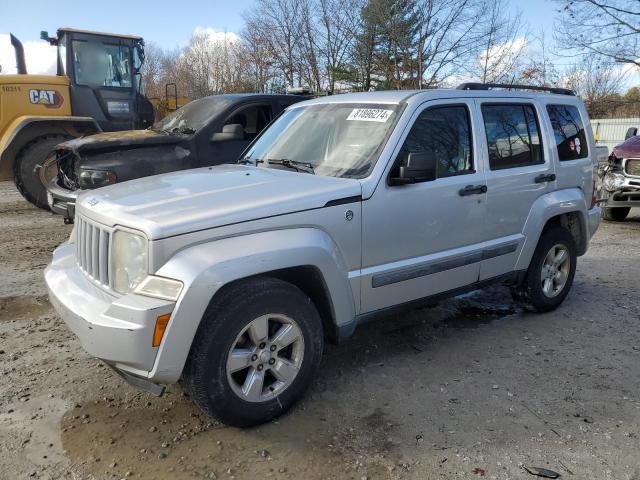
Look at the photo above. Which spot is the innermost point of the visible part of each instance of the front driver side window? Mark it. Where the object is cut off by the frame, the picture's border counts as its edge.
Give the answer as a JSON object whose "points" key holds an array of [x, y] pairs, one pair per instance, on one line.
{"points": [[253, 119], [444, 132]]}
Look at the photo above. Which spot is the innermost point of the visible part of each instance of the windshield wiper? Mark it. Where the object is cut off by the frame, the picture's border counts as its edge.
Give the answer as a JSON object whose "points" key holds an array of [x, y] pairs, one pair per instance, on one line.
{"points": [[294, 164]]}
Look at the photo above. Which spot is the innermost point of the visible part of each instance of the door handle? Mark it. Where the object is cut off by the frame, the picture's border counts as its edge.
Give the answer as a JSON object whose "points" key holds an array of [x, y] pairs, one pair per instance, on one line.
{"points": [[545, 177], [472, 190]]}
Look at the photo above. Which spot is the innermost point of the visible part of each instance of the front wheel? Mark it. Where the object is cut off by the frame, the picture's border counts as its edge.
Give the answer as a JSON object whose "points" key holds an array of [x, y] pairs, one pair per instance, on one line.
{"points": [[551, 271], [257, 350], [617, 214]]}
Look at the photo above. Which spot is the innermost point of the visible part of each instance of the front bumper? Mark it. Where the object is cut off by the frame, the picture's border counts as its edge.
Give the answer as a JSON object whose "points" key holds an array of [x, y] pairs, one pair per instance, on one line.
{"points": [[621, 199], [61, 200], [118, 330]]}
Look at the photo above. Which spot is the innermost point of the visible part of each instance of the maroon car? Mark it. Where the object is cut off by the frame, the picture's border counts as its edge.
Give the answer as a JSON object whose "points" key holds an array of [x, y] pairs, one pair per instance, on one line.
{"points": [[620, 180]]}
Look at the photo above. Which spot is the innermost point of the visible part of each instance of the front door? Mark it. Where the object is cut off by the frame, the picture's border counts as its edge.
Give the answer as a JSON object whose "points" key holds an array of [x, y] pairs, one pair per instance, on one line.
{"points": [[519, 173], [253, 119], [423, 238]]}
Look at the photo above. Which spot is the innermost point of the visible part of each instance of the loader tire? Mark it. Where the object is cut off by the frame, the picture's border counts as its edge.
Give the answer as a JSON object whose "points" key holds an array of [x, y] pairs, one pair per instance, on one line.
{"points": [[26, 168]]}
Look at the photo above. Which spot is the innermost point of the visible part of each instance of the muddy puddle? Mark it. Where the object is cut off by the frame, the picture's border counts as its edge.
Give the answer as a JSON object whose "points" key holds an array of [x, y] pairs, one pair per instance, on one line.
{"points": [[17, 308]]}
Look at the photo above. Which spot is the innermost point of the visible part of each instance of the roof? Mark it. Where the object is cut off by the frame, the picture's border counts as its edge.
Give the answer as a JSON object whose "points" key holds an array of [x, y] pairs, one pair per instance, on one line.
{"points": [[240, 96], [419, 96], [89, 32]]}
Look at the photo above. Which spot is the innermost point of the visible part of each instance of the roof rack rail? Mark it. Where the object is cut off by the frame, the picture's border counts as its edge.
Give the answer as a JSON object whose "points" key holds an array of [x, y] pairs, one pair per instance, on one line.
{"points": [[487, 86]]}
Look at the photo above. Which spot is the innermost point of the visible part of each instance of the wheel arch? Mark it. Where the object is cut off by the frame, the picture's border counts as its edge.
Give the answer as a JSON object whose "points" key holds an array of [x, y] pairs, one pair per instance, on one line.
{"points": [[306, 257], [566, 208], [24, 129]]}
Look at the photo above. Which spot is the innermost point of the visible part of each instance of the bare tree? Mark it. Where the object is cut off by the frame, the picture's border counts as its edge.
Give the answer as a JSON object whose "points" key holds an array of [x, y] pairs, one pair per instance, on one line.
{"points": [[450, 36], [338, 20], [258, 57], [278, 22], [152, 73], [504, 44], [609, 28], [597, 82]]}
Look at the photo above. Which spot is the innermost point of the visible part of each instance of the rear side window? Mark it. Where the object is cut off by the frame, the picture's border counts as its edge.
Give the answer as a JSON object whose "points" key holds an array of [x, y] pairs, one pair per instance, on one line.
{"points": [[444, 132], [513, 137], [568, 130]]}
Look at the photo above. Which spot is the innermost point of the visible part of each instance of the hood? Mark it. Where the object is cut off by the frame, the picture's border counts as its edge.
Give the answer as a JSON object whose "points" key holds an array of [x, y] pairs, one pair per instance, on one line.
{"points": [[191, 200], [127, 139], [630, 148]]}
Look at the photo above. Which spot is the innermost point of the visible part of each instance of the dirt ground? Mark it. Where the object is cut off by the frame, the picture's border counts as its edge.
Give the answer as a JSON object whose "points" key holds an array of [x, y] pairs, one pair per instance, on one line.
{"points": [[475, 387]]}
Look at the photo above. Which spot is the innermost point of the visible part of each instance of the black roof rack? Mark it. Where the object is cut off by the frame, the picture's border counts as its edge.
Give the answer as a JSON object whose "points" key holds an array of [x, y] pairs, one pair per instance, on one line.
{"points": [[508, 86]]}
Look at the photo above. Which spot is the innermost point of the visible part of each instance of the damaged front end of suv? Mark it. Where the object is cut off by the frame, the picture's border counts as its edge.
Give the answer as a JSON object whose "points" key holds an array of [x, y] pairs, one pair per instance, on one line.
{"points": [[619, 188]]}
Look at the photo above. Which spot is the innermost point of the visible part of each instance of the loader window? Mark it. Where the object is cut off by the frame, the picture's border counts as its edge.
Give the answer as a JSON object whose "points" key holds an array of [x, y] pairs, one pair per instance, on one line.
{"points": [[98, 64]]}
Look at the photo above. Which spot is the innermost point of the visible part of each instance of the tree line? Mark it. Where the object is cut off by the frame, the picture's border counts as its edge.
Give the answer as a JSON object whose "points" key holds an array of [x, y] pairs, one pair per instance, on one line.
{"points": [[360, 45]]}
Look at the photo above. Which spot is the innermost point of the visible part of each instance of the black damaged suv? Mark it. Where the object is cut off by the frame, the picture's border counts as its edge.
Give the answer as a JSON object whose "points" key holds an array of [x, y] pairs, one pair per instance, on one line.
{"points": [[208, 131]]}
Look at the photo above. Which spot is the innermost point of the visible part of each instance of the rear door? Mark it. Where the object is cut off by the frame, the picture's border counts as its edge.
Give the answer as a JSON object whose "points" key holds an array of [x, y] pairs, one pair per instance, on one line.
{"points": [[520, 170]]}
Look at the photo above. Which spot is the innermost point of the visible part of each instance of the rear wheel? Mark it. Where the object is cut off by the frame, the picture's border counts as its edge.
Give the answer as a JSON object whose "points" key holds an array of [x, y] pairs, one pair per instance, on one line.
{"points": [[257, 350], [31, 173], [617, 214], [551, 271]]}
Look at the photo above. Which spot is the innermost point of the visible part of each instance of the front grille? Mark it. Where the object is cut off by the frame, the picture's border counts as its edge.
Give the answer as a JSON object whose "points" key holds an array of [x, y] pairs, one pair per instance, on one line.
{"points": [[633, 167], [92, 250]]}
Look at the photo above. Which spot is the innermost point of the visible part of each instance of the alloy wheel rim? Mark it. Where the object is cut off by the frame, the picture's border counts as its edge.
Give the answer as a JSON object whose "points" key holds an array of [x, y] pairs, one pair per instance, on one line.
{"points": [[265, 357], [555, 270]]}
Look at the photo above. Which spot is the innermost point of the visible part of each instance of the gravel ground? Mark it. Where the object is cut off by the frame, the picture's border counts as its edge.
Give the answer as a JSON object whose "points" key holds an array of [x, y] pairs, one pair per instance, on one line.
{"points": [[474, 387]]}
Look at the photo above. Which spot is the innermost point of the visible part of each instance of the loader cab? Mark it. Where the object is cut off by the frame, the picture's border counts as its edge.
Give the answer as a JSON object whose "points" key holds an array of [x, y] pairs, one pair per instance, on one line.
{"points": [[105, 78]]}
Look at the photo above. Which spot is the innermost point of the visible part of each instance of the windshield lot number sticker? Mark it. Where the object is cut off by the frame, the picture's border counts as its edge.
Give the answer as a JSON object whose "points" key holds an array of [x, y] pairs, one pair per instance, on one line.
{"points": [[370, 114]]}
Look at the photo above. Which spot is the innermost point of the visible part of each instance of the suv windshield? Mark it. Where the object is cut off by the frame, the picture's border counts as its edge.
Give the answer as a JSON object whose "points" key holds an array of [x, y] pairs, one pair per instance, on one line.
{"points": [[193, 116], [338, 140]]}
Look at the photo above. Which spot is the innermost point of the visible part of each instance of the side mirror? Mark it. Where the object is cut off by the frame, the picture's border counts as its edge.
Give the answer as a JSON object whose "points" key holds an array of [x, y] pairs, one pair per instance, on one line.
{"points": [[233, 131], [632, 132], [418, 167]]}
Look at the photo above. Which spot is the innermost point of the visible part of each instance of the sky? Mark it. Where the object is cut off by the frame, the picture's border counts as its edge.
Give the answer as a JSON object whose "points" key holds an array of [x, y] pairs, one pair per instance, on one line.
{"points": [[161, 22]]}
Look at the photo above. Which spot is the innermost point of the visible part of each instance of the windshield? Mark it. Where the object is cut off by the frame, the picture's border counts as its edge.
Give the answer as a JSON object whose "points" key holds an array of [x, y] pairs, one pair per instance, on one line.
{"points": [[98, 64], [193, 116], [337, 140]]}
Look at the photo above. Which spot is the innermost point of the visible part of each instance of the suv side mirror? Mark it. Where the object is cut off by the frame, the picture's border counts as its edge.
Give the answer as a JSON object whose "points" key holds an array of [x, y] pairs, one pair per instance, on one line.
{"points": [[418, 167], [233, 131]]}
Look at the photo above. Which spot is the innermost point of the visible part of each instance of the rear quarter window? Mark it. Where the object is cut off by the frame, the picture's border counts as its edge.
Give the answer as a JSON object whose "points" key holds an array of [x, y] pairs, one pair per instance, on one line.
{"points": [[568, 130]]}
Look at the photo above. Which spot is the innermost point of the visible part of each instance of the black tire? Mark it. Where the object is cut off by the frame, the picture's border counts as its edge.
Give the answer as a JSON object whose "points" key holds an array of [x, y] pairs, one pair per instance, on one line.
{"points": [[25, 169], [531, 291], [617, 214], [205, 376]]}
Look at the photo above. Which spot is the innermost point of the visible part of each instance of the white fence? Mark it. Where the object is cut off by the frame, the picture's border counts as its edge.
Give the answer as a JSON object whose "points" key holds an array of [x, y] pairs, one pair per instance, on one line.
{"points": [[610, 132]]}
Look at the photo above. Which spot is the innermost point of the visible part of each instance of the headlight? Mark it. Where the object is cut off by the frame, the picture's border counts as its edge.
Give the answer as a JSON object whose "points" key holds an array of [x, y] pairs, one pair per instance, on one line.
{"points": [[95, 178], [160, 287], [129, 253], [613, 181]]}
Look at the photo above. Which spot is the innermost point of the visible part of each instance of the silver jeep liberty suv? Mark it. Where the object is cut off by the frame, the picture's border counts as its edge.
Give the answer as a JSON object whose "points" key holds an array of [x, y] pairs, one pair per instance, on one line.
{"points": [[232, 277]]}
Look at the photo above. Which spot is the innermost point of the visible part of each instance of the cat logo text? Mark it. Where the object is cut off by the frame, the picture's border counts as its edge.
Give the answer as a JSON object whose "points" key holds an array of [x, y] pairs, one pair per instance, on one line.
{"points": [[48, 98]]}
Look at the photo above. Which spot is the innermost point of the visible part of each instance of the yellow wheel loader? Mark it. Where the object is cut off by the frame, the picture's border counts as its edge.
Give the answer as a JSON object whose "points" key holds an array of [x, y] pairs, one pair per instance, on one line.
{"points": [[97, 88]]}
